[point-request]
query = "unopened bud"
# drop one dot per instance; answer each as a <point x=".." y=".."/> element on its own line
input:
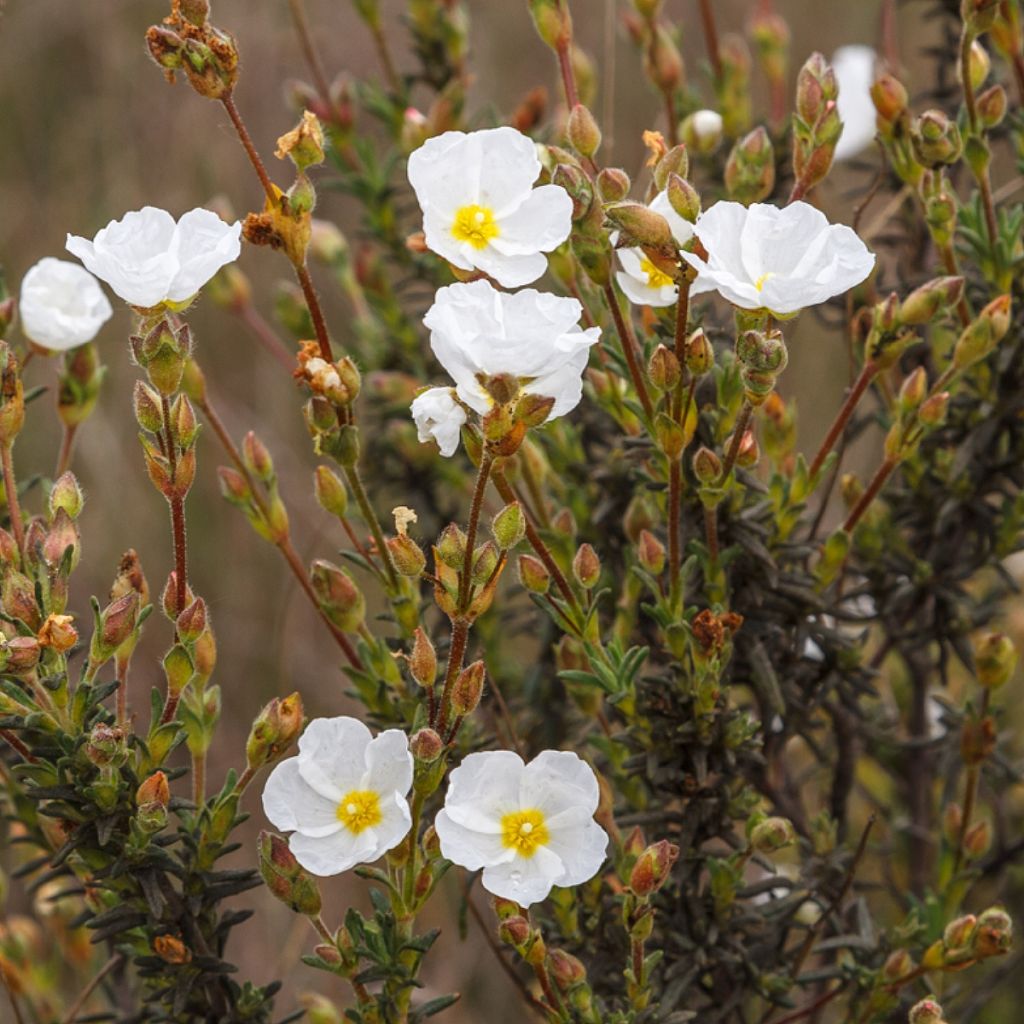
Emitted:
<point x="509" y="526"/>
<point x="936" y="139"/>
<point x="890" y="99"/>
<point x="407" y="555"/>
<point x="583" y="132"/>
<point x="533" y="574"/>
<point x="701" y="131"/>
<point x="285" y="877"/>
<point x="426" y="745"/>
<point x="663" y="369"/>
<point x="586" y="566"/>
<point x="977" y="840"/>
<point x="750" y="169"/>
<point x="992" y="104"/>
<point x="925" y="303"/>
<point x="994" y="933"/>
<point x="650" y="552"/>
<point x="451" y="546"/>
<point x="257" y="458"/>
<point x="468" y="689"/>
<point x="772" y="834"/>
<point x="815" y="87"/>
<point x="995" y="658"/>
<point x="565" y="970"/>
<point x="514" y="931"/>
<point x="66" y="495"/>
<point x="340" y="598"/>
<point x="683" y="198"/>
<point x="926" y="1012"/>
<point x="653" y="868"/>
<point x="330" y="490"/>
<point x="423" y="659"/>
<point x="613" y="184"/>
<point x="982" y="335"/>
<point x="707" y="467"/>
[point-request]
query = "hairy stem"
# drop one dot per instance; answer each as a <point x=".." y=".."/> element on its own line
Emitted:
<point x="867" y="375"/>
<point x="11" y="492"/>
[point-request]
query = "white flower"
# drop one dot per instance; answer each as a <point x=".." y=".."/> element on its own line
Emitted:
<point x="478" y="332"/>
<point x="343" y="796"/>
<point x="149" y="259"/>
<point x="440" y="417"/>
<point x="702" y="130"/>
<point x="528" y="826"/>
<point x="641" y="281"/>
<point x="480" y="209"/>
<point x="62" y="305"/>
<point x="782" y="260"/>
<point x="854" y="68"/>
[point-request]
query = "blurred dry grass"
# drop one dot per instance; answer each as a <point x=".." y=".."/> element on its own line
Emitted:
<point x="89" y="130"/>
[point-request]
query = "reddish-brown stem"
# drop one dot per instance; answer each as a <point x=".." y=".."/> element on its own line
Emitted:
<point x="675" y="488"/>
<point x="16" y="744"/>
<point x="707" y="20"/>
<point x="67" y="445"/>
<point x="711" y="531"/>
<point x="243" y="135"/>
<point x="177" y="503"/>
<point x="877" y="483"/>
<point x="568" y="75"/>
<point x="11" y="492"/>
<point x="315" y="312"/>
<point x="73" y="1010"/>
<point x="970" y="795"/>
<point x="630" y="349"/>
<point x="476" y="505"/>
<point x="316" y="69"/>
<point x="456" y="654"/>
<point x="953" y="269"/>
<point x="266" y="335"/>
<point x="811" y="1008"/>
<point x="867" y="375"/>
<point x="739" y="430"/>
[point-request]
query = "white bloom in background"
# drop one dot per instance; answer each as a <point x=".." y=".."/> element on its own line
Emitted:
<point x="782" y="260"/>
<point x="440" y="417"/>
<point x="149" y="259"/>
<point x="702" y="130"/>
<point x="529" y="826"/>
<point x="854" y="68"/>
<point x="62" y="305"/>
<point x="478" y="332"/>
<point x="343" y="796"/>
<point x="641" y="281"/>
<point x="480" y="209"/>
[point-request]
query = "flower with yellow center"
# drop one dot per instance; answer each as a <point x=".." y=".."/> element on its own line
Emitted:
<point x="343" y="796"/>
<point x="645" y="284"/>
<point x="780" y="260"/>
<point x="480" y="209"/>
<point x="528" y="826"/>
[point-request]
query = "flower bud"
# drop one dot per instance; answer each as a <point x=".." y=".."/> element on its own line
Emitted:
<point x="772" y="834"/>
<point x="653" y="868"/>
<point x="815" y="88"/>
<point x="468" y="689"/>
<point x="926" y="1012"/>
<point x="913" y="391"/>
<point x="514" y="931"/>
<point x="982" y="335"/>
<point x="67" y="496"/>
<point x="340" y="598"/>
<point x="701" y="131"/>
<point x="642" y="225"/>
<point x="274" y="730"/>
<point x="426" y="746"/>
<point x="707" y="467"/>
<point x="116" y="624"/>
<point x="995" y="658"/>
<point x="19" y="599"/>
<point x="663" y="369"/>
<point x="979" y="65"/>
<point x="319" y="1009"/>
<point x="992" y="104"/>
<point x="663" y="62"/>
<point x="994" y="933"/>
<point x="12" y="396"/>
<point x="977" y="840"/>
<point x="583" y="132"/>
<point x="533" y="574"/>
<point x="890" y="99"/>
<point x="750" y="169"/>
<point x="509" y="526"/>
<point x="650" y="553"/>
<point x="21" y="654"/>
<point x="959" y="933"/>
<point x="330" y="490"/>
<point x="672" y="161"/>
<point x="451" y="546"/>
<point x="683" y="198"/>
<point x="586" y="566"/>
<point x="191" y="623"/>
<point x="613" y="184"/>
<point x="565" y="970"/>
<point x="700" y="355"/>
<point x="977" y="740"/>
<point x="932" y="412"/>
<point x="423" y="659"/>
<point x="285" y="877"/>
<point x="152" y="799"/>
<point x="749" y="452"/>
<point x="897" y="965"/>
<point x="936" y="139"/>
<point x="256" y="458"/>
<point x="925" y="303"/>
<point x="107" y="746"/>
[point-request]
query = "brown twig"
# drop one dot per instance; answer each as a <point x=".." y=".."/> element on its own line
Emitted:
<point x="228" y="102"/>
<point x="11" y="493"/>
<point x="707" y="20"/>
<point x="67" y="444"/>
<point x="112" y="964"/>
<point x="867" y="375"/>
<point x="877" y="483"/>
<point x="630" y="349"/>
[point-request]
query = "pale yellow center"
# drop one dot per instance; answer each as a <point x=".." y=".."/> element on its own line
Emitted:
<point x="359" y="810"/>
<point x="524" y="832"/>
<point x="476" y="225"/>
<point x="760" y="282"/>
<point x="655" y="278"/>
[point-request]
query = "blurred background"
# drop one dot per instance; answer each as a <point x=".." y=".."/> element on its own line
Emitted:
<point x="89" y="130"/>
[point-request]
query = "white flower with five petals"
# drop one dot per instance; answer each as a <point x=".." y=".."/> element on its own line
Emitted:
<point x="148" y="259"/>
<point x="343" y="796"/>
<point x="439" y="416"/>
<point x="854" y="68"/>
<point x="781" y="260"/>
<point x="62" y="305"/>
<point x="529" y="826"/>
<point x="643" y="283"/>
<point x="477" y="332"/>
<point x="480" y="209"/>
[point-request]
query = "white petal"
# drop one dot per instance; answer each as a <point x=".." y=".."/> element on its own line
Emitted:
<point x="508" y="168"/>
<point x="204" y="243"/>
<point x="291" y="804"/>
<point x="640" y="293"/>
<point x="61" y="304"/>
<point x="510" y="271"/>
<point x="396" y="820"/>
<point x="332" y="755"/>
<point x="439" y="416"/>
<point x="483" y="789"/>
<point x="564" y="384"/>
<point x="581" y="849"/>
<point x="437" y="231"/>
<point x="330" y="855"/>
<point x="542" y="222"/>
<point x="389" y="763"/>
<point x="444" y="173"/>
<point x="854" y="68"/>
<point x="559" y="779"/>
<point x="682" y="230"/>
<point x="526" y="880"/>
<point x="468" y="848"/>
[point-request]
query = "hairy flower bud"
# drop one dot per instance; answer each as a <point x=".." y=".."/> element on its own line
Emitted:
<point x="927" y="1011"/>
<point x="925" y="303"/>
<point x="330" y="490"/>
<point x="423" y="659"/>
<point x="772" y="834"/>
<point x="468" y="689"/>
<point x="583" y="132"/>
<point x="66" y="496"/>
<point x="994" y="933"/>
<point x="285" y="877"/>
<point x="702" y="130"/>
<point x="613" y="184"/>
<point x="653" y="868"/>
<point x="707" y="467"/>
<point x="274" y="730"/>
<point x="340" y="598"/>
<point x="586" y="566"/>
<point x="407" y="555"/>
<point x="936" y="139"/>
<point x="650" y="552"/>
<point x="509" y="526"/>
<point x="426" y="745"/>
<point x="533" y="574"/>
<point x="750" y="169"/>
<point x="982" y="335"/>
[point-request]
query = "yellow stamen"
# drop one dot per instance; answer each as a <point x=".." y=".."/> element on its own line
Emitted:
<point x="476" y="225"/>
<point x="360" y="810"/>
<point x="655" y="278"/>
<point x="760" y="282"/>
<point x="524" y="832"/>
